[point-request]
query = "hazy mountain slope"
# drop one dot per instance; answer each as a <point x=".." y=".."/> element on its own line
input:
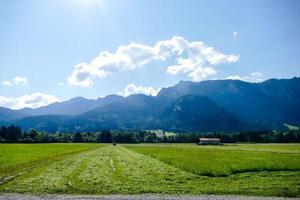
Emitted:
<point x="237" y="104"/>
<point x="283" y="100"/>
<point x="187" y="113"/>
<point x="73" y="106"/>
<point x="49" y="123"/>
<point x="133" y="112"/>
<point x="194" y="112"/>
<point x="266" y="104"/>
<point x="7" y="114"/>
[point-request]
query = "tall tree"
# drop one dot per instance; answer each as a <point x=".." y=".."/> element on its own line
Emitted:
<point x="105" y="136"/>
<point x="77" y="137"/>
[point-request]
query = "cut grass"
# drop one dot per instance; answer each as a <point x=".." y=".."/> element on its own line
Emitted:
<point x="17" y="158"/>
<point x="223" y="160"/>
<point x="118" y="170"/>
<point x="277" y="148"/>
<point x="267" y="147"/>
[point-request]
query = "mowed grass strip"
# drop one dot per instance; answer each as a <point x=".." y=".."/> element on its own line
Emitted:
<point x="222" y="160"/>
<point x="118" y="170"/>
<point x="265" y="147"/>
<point x="17" y="158"/>
<point x="277" y="148"/>
<point x="108" y="170"/>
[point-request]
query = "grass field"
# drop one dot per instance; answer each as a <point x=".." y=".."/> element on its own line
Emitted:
<point x="223" y="160"/>
<point x="17" y="158"/>
<point x="266" y="170"/>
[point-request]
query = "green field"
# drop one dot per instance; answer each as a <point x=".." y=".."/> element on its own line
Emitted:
<point x="247" y="169"/>
<point x="18" y="158"/>
<point x="225" y="160"/>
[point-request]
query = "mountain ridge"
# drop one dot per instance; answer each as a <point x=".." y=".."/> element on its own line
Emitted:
<point x="265" y="105"/>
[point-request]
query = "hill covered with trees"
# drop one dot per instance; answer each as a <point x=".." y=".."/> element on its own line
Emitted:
<point x="14" y="134"/>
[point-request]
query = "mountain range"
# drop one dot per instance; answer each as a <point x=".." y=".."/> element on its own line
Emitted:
<point x="213" y="105"/>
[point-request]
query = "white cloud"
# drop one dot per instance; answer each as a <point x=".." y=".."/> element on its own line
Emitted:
<point x="134" y="89"/>
<point x="7" y="83"/>
<point x="252" y="77"/>
<point x="61" y="83"/>
<point x="234" y="77"/>
<point x="201" y="73"/>
<point x="235" y="34"/>
<point x="18" y="80"/>
<point x="189" y="58"/>
<point x="34" y="100"/>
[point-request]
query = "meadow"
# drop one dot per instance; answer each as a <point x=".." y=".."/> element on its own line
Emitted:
<point x="18" y="158"/>
<point x="225" y="160"/>
<point x="247" y="169"/>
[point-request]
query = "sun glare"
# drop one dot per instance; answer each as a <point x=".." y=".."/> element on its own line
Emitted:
<point x="85" y="4"/>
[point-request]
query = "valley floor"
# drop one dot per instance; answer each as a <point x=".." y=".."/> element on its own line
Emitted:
<point x="130" y="170"/>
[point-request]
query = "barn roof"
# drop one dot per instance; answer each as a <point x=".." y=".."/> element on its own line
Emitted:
<point x="209" y="139"/>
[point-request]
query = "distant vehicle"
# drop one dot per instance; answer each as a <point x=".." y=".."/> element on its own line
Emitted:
<point x="206" y="141"/>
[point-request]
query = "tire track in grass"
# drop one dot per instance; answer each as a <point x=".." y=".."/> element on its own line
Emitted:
<point x="98" y="174"/>
<point x="74" y="181"/>
<point x="112" y="164"/>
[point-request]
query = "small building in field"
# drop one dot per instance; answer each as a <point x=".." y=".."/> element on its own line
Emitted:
<point x="209" y="141"/>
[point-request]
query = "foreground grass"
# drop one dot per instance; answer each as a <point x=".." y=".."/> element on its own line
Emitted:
<point x="17" y="158"/>
<point x="118" y="170"/>
<point x="225" y="160"/>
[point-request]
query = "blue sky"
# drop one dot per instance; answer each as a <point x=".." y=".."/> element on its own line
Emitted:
<point x="164" y="42"/>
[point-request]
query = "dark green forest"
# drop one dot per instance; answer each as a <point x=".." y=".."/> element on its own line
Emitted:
<point x="14" y="134"/>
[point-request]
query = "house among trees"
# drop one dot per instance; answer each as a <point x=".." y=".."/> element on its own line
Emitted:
<point x="209" y="141"/>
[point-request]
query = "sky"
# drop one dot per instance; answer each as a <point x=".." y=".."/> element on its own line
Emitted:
<point x="54" y="50"/>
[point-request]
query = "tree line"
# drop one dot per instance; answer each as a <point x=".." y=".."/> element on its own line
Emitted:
<point x="14" y="134"/>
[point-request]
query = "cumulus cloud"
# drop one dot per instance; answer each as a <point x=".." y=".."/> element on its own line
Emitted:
<point x="7" y="83"/>
<point x="252" y="77"/>
<point x="235" y="34"/>
<point x="192" y="58"/>
<point x="134" y="89"/>
<point x="34" y="100"/>
<point x="18" y="80"/>
<point x="201" y="73"/>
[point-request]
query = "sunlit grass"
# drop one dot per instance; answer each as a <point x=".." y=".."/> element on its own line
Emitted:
<point x="225" y="160"/>
<point x="119" y="170"/>
<point x="16" y="158"/>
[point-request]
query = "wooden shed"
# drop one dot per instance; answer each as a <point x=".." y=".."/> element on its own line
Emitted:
<point x="209" y="141"/>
